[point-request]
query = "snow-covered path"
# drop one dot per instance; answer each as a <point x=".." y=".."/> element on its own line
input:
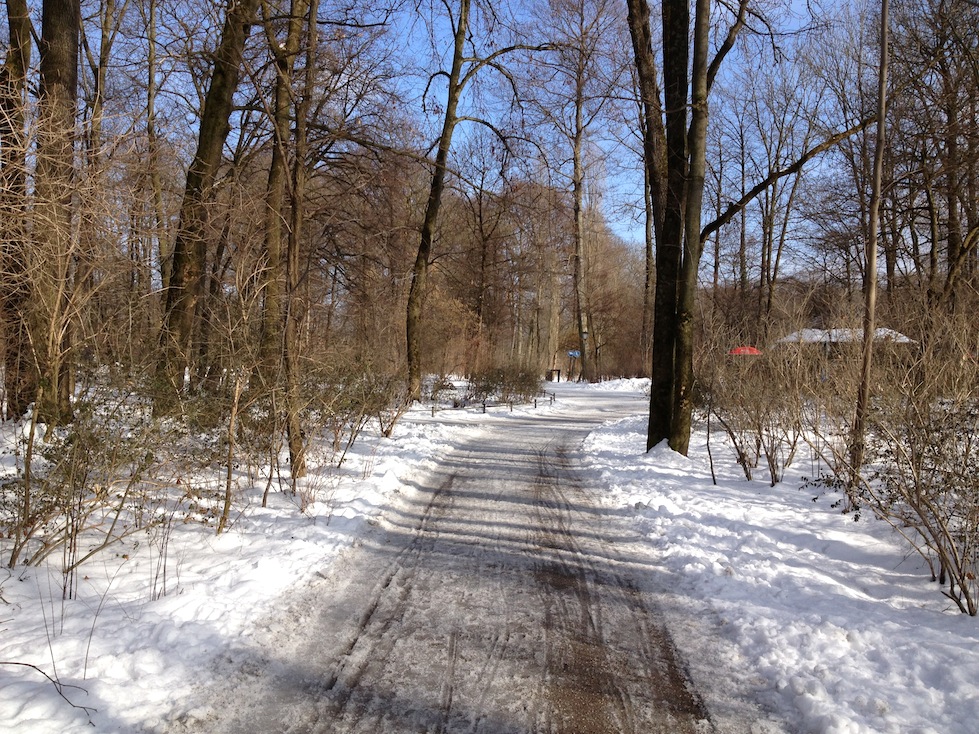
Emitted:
<point x="493" y="597"/>
<point x="349" y="615"/>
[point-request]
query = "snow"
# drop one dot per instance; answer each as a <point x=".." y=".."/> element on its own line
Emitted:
<point x="773" y="596"/>
<point x="839" y="336"/>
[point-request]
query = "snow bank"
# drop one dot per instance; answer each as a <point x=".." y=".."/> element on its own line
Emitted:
<point x="828" y="622"/>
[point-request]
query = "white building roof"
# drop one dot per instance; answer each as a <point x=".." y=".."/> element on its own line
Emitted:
<point x="839" y="336"/>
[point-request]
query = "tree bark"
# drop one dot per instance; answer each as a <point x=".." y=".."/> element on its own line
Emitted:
<point x="692" y="243"/>
<point x="580" y="262"/>
<point x="419" y="273"/>
<point x="679" y="242"/>
<point x="857" y="436"/>
<point x="669" y="248"/>
<point x="190" y="245"/>
<point x="153" y="143"/>
<point x="654" y="174"/>
<point x="277" y="218"/>
<point x="53" y="210"/>
<point x="20" y="376"/>
<point x="701" y="78"/>
<point x="293" y="315"/>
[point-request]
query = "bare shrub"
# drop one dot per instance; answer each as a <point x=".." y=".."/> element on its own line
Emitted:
<point x="343" y="398"/>
<point x="926" y="484"/>
<point x="922" y="474"/>
<point x="508" y="384"/>
<point x="440" y="389"/>
<point x="80" y="488"/>
<point x="755" y="398"/>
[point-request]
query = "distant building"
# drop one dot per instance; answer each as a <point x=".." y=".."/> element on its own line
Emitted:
<point x="842" y="336"/>
<point x="835" y="342"/>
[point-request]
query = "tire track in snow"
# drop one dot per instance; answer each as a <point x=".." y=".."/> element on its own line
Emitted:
<point x="598" y="678"/>
<point x="491" y="601"/>
<point x="383" y="612"/>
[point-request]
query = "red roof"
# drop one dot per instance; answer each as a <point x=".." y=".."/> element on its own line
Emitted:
<point x="745" y="352"/>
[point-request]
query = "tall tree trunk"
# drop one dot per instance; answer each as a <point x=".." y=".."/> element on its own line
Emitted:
<point x="88" y="228"/>
<point x="153" y="144"/>
<point x="98" y="67"/>
<point x="669" y="248"/>
<point x="190" y="245"/>
<point x="649" y="278"/>
<point x="419" y="273"/>
<point x="678" y="252"/>
<point x="53" y="210"/>
<point x="554" y="316"/>
<point x="276" y="215"/>
<point x="743" y="274"/>
<point x="718" y="208"/>
<point x="654" y="176"/>
<point x="580" y="269"/>
<point x="857" y="436"/>
<point x="692" y="243"/>
<point x="20" y="376"/>
<point x="294" y="315"/>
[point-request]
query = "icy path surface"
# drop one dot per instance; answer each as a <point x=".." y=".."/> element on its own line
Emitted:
<point x="494" y="597"/>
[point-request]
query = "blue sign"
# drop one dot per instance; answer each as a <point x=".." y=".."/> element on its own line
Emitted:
<point x="574" y="353"/>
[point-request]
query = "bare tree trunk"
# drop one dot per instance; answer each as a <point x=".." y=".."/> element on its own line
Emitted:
<point x="294" y="432"/>
<point x="53" y="210"/>
<point x="230" y="455"/>
<point x="743" y="275"/>
<point x="649" y="279"/>
<point x="678" y="251"/>
<point x="692" y="243"/>
<point x="665" y="158"/>
<point x="86" y="260"/>
<point x="580" y="270"/>
<point x="669" y="248"/>
<point x="654" y="141"/>
<point x="718" y="204"/>
<point x="189" y="251"/>
<point x="276" y="216"/>
<point x="278" y="346"/>
<point x="20" y="376"/>
<point x="858" y="437"/>
<point x="152" y="141"/>
<point x="419" y="273"/>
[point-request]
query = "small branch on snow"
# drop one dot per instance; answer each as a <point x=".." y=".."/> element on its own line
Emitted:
<point x="58" y="686"/>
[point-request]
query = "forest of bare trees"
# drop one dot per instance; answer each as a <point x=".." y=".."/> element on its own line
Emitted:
<point x="270" y="220"/>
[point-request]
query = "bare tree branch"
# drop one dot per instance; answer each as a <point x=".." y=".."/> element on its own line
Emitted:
<point x="58" y="685"/>
<point x="735" y="207"/>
